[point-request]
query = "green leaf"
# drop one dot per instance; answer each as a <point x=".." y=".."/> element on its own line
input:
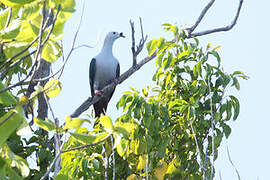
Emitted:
<point x="88" y="138"/>
<point x="125" y="128"/>
<point x="51" y="51"/>
<point x="236" y="107"/>
<point x="120" y="147"/>
<point x="227" y="130"/>
<point x="52" y="88"/>
<point x="73" y="123"/>
<point x="11" y="31"/>
<point x="6" y="97"/>
<point x="154" y="44"/>
<point x="3" y="17"/>
<point x="46" y="125"/>
<point x="236" y="83"/>
<point x="10" y="122"/>
<point x="31" y="11"/>
<point x="27" y="32"/>
<point x="145" y="93"/>
<point x="61" y="177"/>
<point x="214" y="53"/>
<point x="106" y="122"/>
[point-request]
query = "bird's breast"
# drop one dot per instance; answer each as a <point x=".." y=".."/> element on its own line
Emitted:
<point x="105" y="73"/>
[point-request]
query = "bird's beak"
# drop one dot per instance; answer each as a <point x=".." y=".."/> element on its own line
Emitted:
<point x="122" y="35"/>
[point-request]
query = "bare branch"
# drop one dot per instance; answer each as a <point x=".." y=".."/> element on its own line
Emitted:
<point x="133" y="42"/>
<point x="204" y="11"/>
<point x="136" y="52"/>
<point x="225" y="28"/>
<point x="91" y="100"/>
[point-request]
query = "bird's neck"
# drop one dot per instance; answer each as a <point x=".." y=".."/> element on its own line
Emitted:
<point x="107" y="46"/>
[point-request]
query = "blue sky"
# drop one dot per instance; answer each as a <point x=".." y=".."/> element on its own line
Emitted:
<point x="245" y="48"/>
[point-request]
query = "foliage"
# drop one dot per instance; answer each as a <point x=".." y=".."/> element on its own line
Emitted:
<point x="164" y="130"/>
<point x="21" y="22"/>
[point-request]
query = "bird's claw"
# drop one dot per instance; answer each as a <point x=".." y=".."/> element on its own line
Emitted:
<point x="115" y="79"/>
<point x="98" y="92"/>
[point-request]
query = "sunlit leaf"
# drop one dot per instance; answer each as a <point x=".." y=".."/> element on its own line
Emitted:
<point x="45" y="124"/>
<point x="11" y="31"/>
<point x="106" y="122"/>
<point x="73" y="123"/>
<point x="10" y="122"/>
<point x="88" y="138"/>
<point x="51" y="51"/>
<point x="52" y="88"/>
<point x="142" y="162"/>
<point x="6" y="97"/>
<point x="125" y="128"/>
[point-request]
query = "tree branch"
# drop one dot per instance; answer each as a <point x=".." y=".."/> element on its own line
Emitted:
<point x="204" y="11"/>
<point x="136" y="52"/>
<point x="225" y="28"/>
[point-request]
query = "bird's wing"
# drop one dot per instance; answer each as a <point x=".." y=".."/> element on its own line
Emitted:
<point x="92" y="70"/>
<point x="118" y="71"/>
<point x="116" y="76"/>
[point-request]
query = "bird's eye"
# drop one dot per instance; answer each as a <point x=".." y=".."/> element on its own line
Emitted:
<point x="114" y="32"/>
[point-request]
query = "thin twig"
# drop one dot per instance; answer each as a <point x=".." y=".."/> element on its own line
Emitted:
<point x="74" y="40"/>
<point x="238" y="175"/>
<point x="83" y="45"/>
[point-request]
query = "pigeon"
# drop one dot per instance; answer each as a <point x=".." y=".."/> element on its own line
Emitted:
<point x="104" y="69"/>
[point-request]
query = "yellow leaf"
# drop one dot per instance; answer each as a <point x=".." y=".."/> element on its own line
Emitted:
<point x="106" y="122"/>
<point x="217" y="48"/>
<point x="142" y="162"/>
<point x="52" y="88"/>
<point x="132" y="177"/>
<point x="160" y="172"/>
<point x="172" y="167"/>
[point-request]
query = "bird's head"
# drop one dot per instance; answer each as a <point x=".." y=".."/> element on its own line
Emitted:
<point x="114" y="35"/>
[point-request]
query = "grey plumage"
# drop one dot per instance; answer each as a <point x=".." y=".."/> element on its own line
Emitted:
<point x="104" y="68"/>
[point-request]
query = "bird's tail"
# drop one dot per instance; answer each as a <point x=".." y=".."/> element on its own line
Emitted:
<point x="100" y="107"/>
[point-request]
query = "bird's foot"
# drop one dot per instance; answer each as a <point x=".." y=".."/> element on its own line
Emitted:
<point x="115" y="79"/>
<point x="98" y="92"/>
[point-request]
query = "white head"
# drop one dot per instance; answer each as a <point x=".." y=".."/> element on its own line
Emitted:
<point x="112" y="36"/>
